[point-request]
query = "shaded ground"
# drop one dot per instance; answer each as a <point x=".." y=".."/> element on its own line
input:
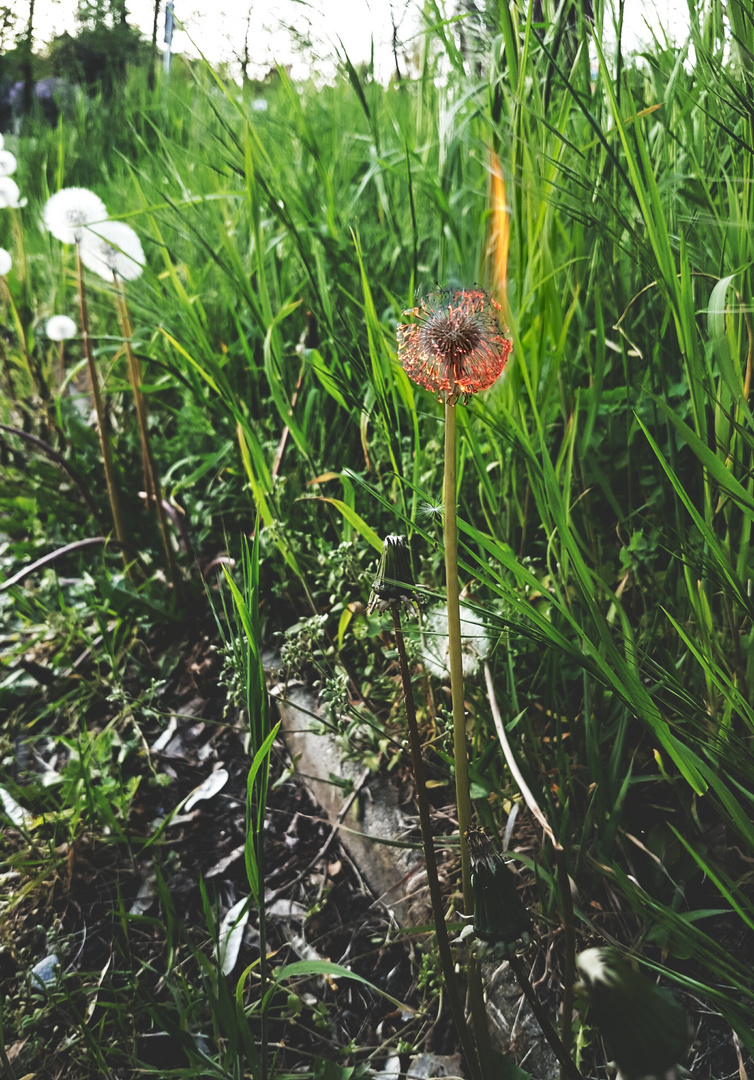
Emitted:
<point x="131" y="912"/>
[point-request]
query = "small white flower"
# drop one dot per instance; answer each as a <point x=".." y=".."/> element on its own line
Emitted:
<point x="435" y="643"/>
<point x="69" y="210"/>
<point x="9" y="194"/>
<point x="8" y="163"/>
<point x="113" y="248"/>
<point x="60" y="328"/>
<point x="5" y="262"/>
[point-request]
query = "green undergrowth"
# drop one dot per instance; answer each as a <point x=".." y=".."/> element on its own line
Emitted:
<point x="605" y="489"/>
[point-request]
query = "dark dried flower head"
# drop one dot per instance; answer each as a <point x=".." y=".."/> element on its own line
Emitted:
<point x="455" y="346"/>
<point x="499" y="914"/>
<point x="394" y="581"/>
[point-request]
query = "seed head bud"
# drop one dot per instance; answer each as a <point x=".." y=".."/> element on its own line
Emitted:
<point x="499" y="914"/>
<point x="394" y="582"/>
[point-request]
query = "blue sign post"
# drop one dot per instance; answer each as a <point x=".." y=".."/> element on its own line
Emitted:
<point x="169" y="23"/>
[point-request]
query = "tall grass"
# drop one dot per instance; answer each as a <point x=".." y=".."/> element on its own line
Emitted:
<point x="605" y="489"/>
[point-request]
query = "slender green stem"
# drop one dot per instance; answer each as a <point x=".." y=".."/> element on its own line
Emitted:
<point x="460" y="758"/>
<point x="430" y="861"/>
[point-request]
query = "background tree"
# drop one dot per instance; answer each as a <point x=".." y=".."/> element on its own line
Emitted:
<point x="100" y="52"/>
<point x="155" y="22"/>
<point x="28" y="70"/>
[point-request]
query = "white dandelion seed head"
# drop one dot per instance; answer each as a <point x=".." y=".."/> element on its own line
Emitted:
<point x="8" y="163"/>
<point x="435" y="643"/>
<point x="60" y="328"/>
<point x="113" y="248"/>
<point x="69" y="210"/>
<point x="9" y="194"/>
<point x="5" y="262"/>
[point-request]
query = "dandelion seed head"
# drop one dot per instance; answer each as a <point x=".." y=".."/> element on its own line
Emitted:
<point x="6" y="262"/>
<point x="455" y="346"/>
<point x="70" y="210"/>
<point x="9" y="194"/>
<point x="8" y="163"/>
<point x="430" y="510"/>
<point x="60" y="328"/>
<point x="435" y="641"/>
<point x="113" y="248"/>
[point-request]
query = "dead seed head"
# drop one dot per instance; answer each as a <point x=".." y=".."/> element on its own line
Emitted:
<point x="455" y="346"/>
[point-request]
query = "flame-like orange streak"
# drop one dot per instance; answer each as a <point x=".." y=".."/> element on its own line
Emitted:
<point x="499" y="235"/>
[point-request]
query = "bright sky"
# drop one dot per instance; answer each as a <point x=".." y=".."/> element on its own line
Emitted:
<point x="218" y="27"/>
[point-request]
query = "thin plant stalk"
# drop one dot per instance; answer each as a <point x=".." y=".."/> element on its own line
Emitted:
<point x="564" y="1044"/>
<point x="8" y="1069"/>
<point x="460" y="758"/>
<point x="61" y="363"/>
<point x="286" y="430"/>
<point x="151" y="483"/>
<point x="102" y="424"/>
<point x="430" y="861"/>
<point x="9" y="389"/>
<point x="14" y="317"/>
<point x="568" y="1068"/>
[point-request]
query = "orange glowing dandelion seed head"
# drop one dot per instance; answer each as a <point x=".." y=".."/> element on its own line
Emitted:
<point x="455" y="346"/>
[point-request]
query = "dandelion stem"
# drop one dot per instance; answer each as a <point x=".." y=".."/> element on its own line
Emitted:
<point x="103" y="428"/>
<point x="460" y="758"/>
<point x="430" y="861"/>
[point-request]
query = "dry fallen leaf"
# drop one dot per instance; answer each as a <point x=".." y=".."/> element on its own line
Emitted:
<point x="215" y="782"/>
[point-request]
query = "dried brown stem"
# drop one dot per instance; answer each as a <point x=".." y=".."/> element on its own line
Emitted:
<point x="103" y="427"/>
<point x="151" y="483"/>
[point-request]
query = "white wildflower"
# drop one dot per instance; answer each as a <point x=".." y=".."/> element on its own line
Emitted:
<point x="9" y="194"/>
<point x="435" y="643"/>
<point x="5" y="262"/>
<point x="69" y="210"/>
<point x="8" y="163"/>
<point x="60" y="328"/>
<point x="113" y="248"/>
